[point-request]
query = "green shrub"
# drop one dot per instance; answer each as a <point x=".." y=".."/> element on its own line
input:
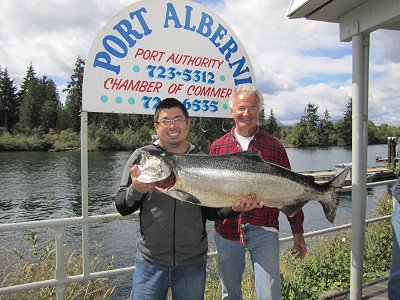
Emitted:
<point x="66" y="139"/>
<point x="379" y="242"/>
<point x="326" y="266"/>
<point x="18" y="142"/>
<point x="126" y="139"/>
<point x="7" y="142"/>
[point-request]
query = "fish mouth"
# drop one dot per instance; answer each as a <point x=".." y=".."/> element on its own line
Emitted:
<point x="167" y="182"/>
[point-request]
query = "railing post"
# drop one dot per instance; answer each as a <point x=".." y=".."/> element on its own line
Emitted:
<point x="60" y="262"/>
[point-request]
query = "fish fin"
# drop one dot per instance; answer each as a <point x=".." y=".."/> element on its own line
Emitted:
<point x="331" y="203"/>
<point x="310" y="177"/>
<point x="290" y="210"/>
<point x="253" y="155"/>
<point x="184" y="196"/>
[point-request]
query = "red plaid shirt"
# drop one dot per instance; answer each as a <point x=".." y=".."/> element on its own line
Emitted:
<point x="273" y="151"/>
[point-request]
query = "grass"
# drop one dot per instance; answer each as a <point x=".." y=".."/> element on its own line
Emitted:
<point x="326" y="267"/>
<point x="39" y="264"/>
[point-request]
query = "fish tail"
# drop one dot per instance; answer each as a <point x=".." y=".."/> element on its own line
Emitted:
<point x="331" y="202"/>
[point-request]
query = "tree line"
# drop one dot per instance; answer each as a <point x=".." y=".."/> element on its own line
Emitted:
<point x="32" y="117"/>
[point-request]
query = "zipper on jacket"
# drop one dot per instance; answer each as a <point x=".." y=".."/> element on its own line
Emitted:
<point x="173" y="236"/>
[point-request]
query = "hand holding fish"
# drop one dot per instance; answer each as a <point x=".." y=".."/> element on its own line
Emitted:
<point x="247" y="203"/>
<point x="139" y="186"/>
<point x="299" y="249"/>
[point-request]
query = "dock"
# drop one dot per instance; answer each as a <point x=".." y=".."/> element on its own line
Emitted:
<point x="374" y="174"/>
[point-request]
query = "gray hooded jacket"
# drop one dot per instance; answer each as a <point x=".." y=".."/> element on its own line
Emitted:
<point x="172" y="232"/>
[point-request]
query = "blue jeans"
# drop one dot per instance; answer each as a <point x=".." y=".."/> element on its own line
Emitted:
<point x="394" y="278"/>
<point x="263" y="246"/>
<point x="151" y="281"/>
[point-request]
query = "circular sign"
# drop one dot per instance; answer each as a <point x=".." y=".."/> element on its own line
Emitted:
<point x="155" y="49"/>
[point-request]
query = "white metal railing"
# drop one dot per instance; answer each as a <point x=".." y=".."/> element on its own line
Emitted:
<point x="58" y="225"/>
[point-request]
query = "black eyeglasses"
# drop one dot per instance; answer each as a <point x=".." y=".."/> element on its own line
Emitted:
<point x="166" y="123"/>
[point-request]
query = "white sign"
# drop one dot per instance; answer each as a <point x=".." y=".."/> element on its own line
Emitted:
<point x="155" y="49"/>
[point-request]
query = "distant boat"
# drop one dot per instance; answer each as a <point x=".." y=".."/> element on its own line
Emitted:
<point x="379" y="158"/>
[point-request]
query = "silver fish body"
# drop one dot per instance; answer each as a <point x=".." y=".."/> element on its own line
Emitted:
<point x="220" y="181"/>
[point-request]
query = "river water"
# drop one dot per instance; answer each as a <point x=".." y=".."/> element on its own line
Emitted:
<point x="46" y="185"/>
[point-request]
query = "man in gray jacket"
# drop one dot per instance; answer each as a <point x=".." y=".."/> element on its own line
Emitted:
<point x="172" y="247"/>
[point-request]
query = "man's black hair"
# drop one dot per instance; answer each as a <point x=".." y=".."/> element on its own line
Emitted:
<point x="170" y="103"/>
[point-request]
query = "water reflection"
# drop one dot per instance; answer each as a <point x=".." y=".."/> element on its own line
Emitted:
<point x="317" y="158"/>
<point x="41" y="185"/>
<point x="5" y="205"/>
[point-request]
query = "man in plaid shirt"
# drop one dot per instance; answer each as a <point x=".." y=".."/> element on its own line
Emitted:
<point x="255" y="230"/>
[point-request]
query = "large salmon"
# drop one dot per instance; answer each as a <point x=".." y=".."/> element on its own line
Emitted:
<point x="220" y="180"/>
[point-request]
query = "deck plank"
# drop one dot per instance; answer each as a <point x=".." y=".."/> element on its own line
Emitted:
<point x="374" y="289"/>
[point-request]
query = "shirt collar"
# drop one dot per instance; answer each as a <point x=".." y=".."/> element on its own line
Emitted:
<point x="232" y="132"/>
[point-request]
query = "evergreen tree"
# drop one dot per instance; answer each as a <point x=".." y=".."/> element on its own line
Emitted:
<point x="51" y="107"/>
<point x="26" y="100"/>
<point x="262" y="121"/>
<point x="305" y="133"/>
<point x="8" y="101"/>
<point x="29" y="77"/>
<point x="30" y="109"/>
<point x="343" y="128"/>
<point x="272" y="125"/>
<point x="311" y="120"/>
<point x="73" y="102"/>
<point x="106" y="120"/>
<point x="326" y="130"/>
<point x="299" y="133"/>
<point x="373" y="135"/>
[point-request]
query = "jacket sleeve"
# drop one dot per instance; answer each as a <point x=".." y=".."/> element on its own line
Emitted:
<point x="128" y="200"/>
<point x="213" y="214"/>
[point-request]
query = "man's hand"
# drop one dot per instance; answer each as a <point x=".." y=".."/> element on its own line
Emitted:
<point x="299" y="249"/>
<point x="247" y="203"/>
<point x="140" y="186"/>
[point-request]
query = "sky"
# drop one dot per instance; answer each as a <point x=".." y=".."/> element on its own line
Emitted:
<point x="296" y="61"/>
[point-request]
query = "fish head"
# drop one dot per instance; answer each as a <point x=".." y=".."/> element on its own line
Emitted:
<point x="155" y="168"/>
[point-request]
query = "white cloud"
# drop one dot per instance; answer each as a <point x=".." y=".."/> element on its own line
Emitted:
<point x="300" y="61"/>
<point x="51" y="34"/>
<point x="322" y="95"/>
<point x="296" y="61"/>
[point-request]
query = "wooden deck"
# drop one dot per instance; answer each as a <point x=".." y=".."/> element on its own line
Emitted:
<point x="380" y="174"/>
<point x="375" y="289"/>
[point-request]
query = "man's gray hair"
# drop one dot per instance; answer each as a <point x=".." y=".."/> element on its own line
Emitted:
<point x="246" y="89"/>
